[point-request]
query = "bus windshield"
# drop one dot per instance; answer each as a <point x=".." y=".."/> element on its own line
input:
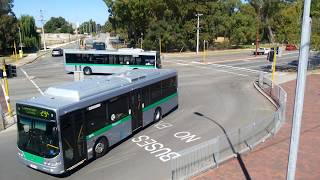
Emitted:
<point x="39" y="137"/>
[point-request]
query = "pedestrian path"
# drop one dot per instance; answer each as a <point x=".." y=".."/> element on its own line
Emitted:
<point x="269" y="160"/>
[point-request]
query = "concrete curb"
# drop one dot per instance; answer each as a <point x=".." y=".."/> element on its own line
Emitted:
<point x="42" y="53"/>
<point x="265" y="94"/>
<point x="213" y="52"/>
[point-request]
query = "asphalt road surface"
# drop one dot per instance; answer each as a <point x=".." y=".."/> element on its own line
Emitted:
<point x="222" y="93"/>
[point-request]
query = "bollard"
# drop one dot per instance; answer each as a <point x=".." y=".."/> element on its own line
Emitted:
<point x="78" y="76"/>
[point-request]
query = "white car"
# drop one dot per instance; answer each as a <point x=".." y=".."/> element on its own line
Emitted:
<point x="261" y="51"/>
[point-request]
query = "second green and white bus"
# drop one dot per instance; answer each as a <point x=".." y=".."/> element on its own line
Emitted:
<point x="110" y="61"/>
<point x="79" y="121"/>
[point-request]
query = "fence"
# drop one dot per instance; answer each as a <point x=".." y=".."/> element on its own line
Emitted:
<point x="230" y="144"/>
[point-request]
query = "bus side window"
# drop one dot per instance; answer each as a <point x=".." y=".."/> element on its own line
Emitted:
<point x="96" y="117"/>
<point x="127" y="60"/>
<point x="149" y="60"/>
<point x="118" y="108"/>
<point x="169" y="86"/>
<point x="143" y="62"/>
<point x="85" y="58"/>
<point x="71" y="58"/>
<point x="155" y="91"/>
<point x="146" y="96"/>
<point x="137" y="61"/>
<point x="111" y="59"/>
<point x="105" y="59"/>
<point x="116" y="59"/>
<point x="121" y="59"/>
<point x="76" y="58"/>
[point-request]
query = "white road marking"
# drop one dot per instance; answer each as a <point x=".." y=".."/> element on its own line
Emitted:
<point x="204" y="67"/>
<point x="278" y="63"/>
<point x="238" y="68"/>
<point x="238" y="74"/>
<point x="152" y="146"/>
<point x="30" y="79"/>
<point x="183" y="64"/>
<point x="187" y="136"/>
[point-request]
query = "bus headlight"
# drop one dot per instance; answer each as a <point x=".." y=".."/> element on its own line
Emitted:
<point x="20" y="154"/>
<point x="52" y="163"/>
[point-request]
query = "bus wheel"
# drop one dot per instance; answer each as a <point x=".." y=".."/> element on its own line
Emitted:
<point x="157" y="115"/>
<point x="87" y="71"/>
<point x="101" y="147"/>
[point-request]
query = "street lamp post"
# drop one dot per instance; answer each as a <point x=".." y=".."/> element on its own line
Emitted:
<point x="20" y="38"/>
<point x="44" y="38"/>
<point x="198" y="15"/>
<point x="300" y="89"/>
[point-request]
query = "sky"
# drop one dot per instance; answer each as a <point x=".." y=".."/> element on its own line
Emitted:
<point x="72" y="10"/>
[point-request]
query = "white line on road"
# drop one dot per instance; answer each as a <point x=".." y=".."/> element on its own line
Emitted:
<point x="206" y="67"/>
<point x="183" y="64"/>
<point x="235" y="68"/>
<point x="281" y="63"/>
<point x="238" y="74"/>
<point x="28" y="77"/>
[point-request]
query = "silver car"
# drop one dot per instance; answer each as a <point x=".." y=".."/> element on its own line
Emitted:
<point x="57" y="52"/>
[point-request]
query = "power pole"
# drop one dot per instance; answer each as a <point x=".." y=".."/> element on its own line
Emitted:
<point x="198" y="15"/>
<point x="42" y="21"/>
<point x="20" y="39"/>
<point x="300" y="88"/>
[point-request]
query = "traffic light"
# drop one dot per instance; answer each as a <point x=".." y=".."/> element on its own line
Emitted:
<point x="270" y="55"/>
<point x="8" y="70"/>
<point x="14" y="71"/>
<point x="11" y="70"/>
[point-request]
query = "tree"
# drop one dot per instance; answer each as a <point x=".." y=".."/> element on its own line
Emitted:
<point x="287" y="23"/>
<point x="29" y="35"/>
<point x="6" y="7"/>
<point x="315" y="14"/>
<point x="174" y="21"/>
<point x="8" y="31"/>
<point x="58" y="25"/>
<point x="88" y="27"/>
<point x="243" y="25"/>
<point x="8" y="25"/>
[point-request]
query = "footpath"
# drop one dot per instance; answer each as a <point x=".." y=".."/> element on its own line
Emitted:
<point x="269" y="160"/>
<point x="9" y="121"/>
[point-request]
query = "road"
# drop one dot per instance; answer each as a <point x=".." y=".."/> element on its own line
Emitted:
<point x="223" y="94"/>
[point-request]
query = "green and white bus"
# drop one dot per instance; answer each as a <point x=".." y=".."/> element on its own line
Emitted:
<point x="79" y="121"/>
<point x="110" y="61"/>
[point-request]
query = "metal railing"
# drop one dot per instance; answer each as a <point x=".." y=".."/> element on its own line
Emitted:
<point x="231" y="143"/>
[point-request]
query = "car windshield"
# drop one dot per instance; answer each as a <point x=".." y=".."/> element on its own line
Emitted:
<point x="39" y="137"/>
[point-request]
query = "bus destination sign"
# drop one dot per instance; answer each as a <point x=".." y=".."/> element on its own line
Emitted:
<point x="35" y="112"/>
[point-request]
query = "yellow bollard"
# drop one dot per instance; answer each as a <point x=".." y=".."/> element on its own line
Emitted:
<point x="15" y="50"/>
<point x="6" y="88"/>
<point x="274" y="65"/>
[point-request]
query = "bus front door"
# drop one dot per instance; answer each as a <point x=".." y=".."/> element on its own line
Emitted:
<point x="136" y="109"/>
<point x="73" y="141"/>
